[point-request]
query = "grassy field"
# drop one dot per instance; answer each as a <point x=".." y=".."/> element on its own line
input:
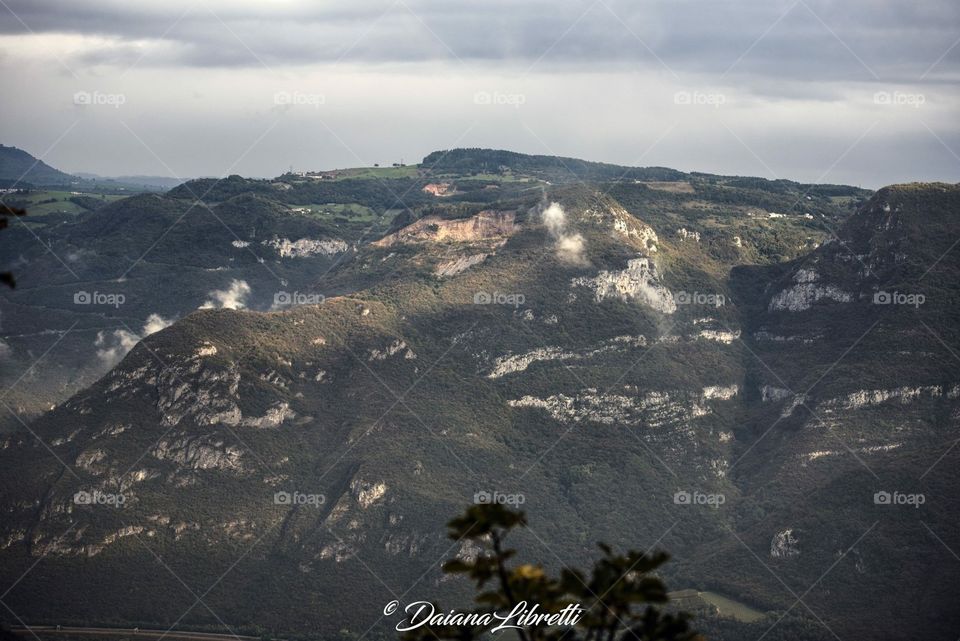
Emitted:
<point x="50" y="201"/>
<point x="731" y="608"/>
<point x="674" y="187"/>
<point x="412" y="171"/>
<point x="707" y="603"/>
<point x="842" y="200"/>
<point x="408" y="171"/>
<point x="505" y="177"/>
<point x="327" y="211"/>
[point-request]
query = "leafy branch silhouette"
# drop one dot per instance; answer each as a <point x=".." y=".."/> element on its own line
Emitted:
<point x="619" y="598"/>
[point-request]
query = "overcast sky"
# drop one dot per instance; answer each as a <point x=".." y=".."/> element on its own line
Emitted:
<point x="859" y="91"/>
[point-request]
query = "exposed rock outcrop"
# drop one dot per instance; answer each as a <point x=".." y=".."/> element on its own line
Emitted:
<point x="199" y="453"/>
<point x="638" y="282"/>
<point x="806" y="292"/>
<point x="457" y="265"/>
<point x="304" y="247"/>
<point x="785" y="544"/>
<point x="511" y="363"/>
<point x="487" y="225"/>
<point x="631" y="407"/>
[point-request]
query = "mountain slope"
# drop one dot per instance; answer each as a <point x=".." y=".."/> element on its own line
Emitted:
<point x="167" y="254"/>
<point x="303" y="390"/>
<point x="856" y="378"/>
<point x="576" y="358"/>
<point x="92" y="284"/>
<point x="18" y="166"/>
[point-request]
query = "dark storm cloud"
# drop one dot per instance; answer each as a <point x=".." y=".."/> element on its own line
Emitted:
<point x="810" y="40"/>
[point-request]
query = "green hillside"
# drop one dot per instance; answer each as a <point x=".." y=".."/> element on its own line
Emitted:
<point x="18" y="166"/>
<point x="652" y="362"/>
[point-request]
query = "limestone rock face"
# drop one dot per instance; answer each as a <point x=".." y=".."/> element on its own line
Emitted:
<point x="630" y="406"/>
<point x="802" y="296"/>
<point x="455" y="266"/>
<point x="638" y="282"/>
<point x="200" y="453"/>
<point x="785" y="544"/>
<point x="487" y="225"/>
<point x="303" y="247"/>
<point x="512" y="363"/>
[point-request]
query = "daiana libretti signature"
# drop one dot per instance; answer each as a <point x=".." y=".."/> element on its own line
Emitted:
<point x="523" y="615"/>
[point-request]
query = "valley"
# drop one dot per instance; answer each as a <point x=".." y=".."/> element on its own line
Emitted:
<point x="60" y="632"/>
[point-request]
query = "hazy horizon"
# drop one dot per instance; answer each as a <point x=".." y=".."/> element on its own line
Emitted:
<point x="863" y="93"/>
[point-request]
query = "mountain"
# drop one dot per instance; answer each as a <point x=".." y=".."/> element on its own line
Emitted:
<point x="91" y="284"/>
<point x="740" y="371"/>
<point x="18" y="166"/>
<point x="853" y="383"/>
<point x="166" y="253"/>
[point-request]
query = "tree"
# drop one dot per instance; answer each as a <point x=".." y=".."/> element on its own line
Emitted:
<point x="617" y="602"/>
<point x="7" y="212"/>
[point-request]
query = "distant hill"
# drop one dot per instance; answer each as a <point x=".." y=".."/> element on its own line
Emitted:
<point x="553" y="168"/>
<point x="558" y="169"/>
<point x="152" y="182"/>
<point x="16" y="165"/>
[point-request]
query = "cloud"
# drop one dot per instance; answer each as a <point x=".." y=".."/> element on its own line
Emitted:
<point x="787" y="38"/>
<point x="569" y="246"/>
<point x="570" y="249"/>
<point x="795" y="100"/>
<point x="555" y="219"/>
<point x="113" y="346"/>
<point x="154" y="324"/>
<point x="234" y="297"/>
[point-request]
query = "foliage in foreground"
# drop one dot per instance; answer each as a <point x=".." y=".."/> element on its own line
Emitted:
<point x="618" y="598"/>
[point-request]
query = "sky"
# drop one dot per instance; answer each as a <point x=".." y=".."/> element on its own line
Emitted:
<point x="861" y="92"/>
